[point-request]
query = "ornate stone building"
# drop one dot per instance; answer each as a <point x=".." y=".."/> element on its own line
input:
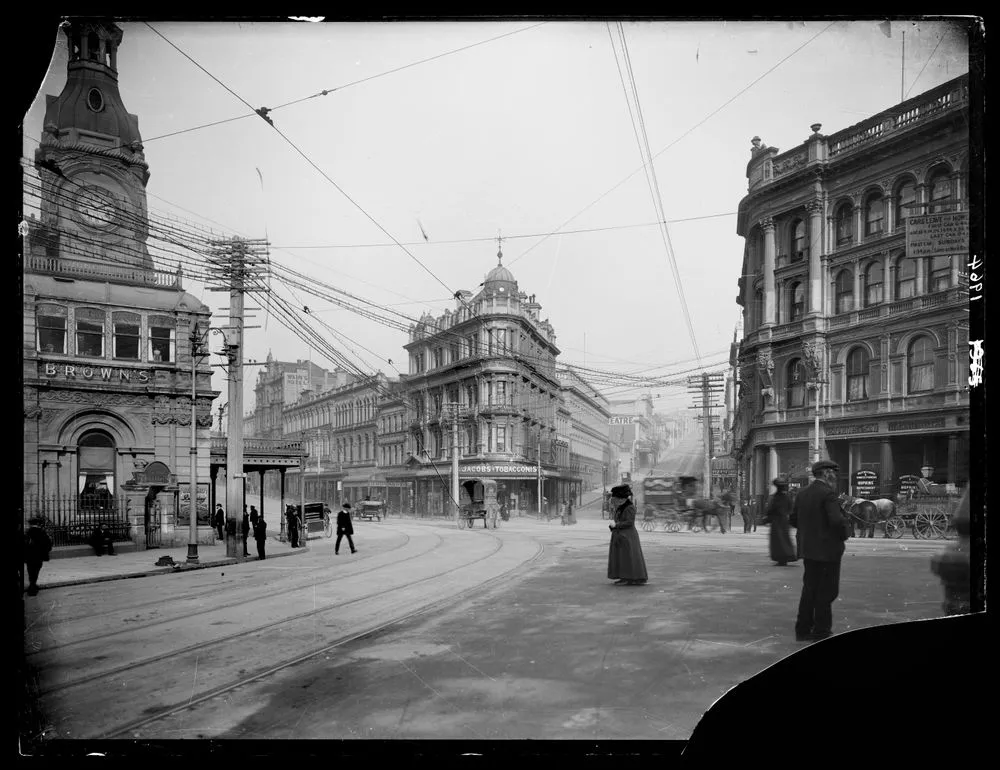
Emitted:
<point x="106" y="339"/>
<point x="490" y="365"/>
<point x="854" y="294"/>
<point x="590" y="455"/>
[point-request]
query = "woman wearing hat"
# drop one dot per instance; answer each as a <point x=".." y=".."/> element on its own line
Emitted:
<point x="779" y="508"/>
<point x="625" y="562"/>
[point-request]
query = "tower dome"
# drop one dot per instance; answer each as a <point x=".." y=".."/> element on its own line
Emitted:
<point x="500" y="280"/>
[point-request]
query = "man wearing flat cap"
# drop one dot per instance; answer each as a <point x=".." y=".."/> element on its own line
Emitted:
<point x="626" y="565"/>
<point x="822" y="530"/>
<point x="779" y="508"/>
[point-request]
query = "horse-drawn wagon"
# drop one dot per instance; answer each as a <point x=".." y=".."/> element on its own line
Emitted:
<point x="671" y="503"/>
<point x="927" y="510"/>
<point x="370" y="510"/>
<point x="478" y="500"/>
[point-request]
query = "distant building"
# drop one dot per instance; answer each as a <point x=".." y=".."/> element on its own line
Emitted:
<point x="280" y="384"/>
<point x="632" y="430"/>
<point x="850" y="289"/>
<point x="590" y="454"/>
<point x="106" y="342"/>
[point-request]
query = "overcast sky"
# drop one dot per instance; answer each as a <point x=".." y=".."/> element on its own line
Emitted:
<point x="518" y="134"/>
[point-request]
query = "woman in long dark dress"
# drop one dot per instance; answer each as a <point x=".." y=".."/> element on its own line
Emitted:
<point x="626" y="564"/>
<point x="779" y="508"/>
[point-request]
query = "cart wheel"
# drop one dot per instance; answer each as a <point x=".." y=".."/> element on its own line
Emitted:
<point x="931" y="524"/>
<point x="328" y="529"/>
<point x="894" y="527"/>
<point x="647" y="525"/>
<point x="461" y="522"/>
<point x="673" y="526"/>
<point x="711" y="525"/>
<point x="696" y="528"/>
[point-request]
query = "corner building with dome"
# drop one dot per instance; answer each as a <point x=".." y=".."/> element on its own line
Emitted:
<point x="488" y="366"/>
<point x="106" y="335"/>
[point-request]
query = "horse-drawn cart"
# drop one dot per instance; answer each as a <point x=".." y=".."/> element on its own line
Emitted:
<point x="478" y="500"/>
<point x="370" y="510"/>
<point x="927" y="517"/>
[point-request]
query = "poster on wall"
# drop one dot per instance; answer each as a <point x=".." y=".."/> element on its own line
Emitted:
<point x="866" y="484"/>
<point x="907" y="486"/>
<point x="184" y="506"/>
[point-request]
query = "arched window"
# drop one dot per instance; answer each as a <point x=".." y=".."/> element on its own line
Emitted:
<point x="758" y="307"/>
<point x="940" y="273"/>
<point x="844" y="292"/>
<point x="96" y="470"/>
<point x="90" y="332"/>
<point x="920" y="365"/>
<point x="795" y="384"/>
<point x="797" y="300"/>
<point x="906" y="278"/>
<point x="51" y="324"/>
<point x="798" y="240"/>
<point x="906" y="198"/>
<point x="874" y="214"/>
<point x="857" y="374"/>
<point x="874" y="276"/>
<point x="845" y="224"/>
<point x="940" y="188"/>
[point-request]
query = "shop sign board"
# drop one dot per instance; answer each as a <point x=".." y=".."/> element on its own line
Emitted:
<point x="907" y="485"/>
<point x="937" y="235"/>
<point x="866" y="484"/>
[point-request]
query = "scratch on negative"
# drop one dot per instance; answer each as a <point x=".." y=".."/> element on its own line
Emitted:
<point x="417" y="677"/>
<point x="750" y="644"/>
<point x="472" y="666"/>
<point x="195" y="680"/>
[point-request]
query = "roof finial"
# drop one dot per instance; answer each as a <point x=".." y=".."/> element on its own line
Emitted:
<point x="499" y="248"/>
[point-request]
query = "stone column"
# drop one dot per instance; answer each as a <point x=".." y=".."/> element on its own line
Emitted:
<point x="858" y="299"/>
<point x="952" y="458"/>
<point x="767" y="224"/>
<point x="890" y="280"/>
<point x="888" y="473"/>
<point x="858" y="225"/>
<point x="921" y="281"/>
<point x="772" y="466"/>
<point x="890" y="214"/>
<point x="955" y="259"/>
<point x="815" y="209"/>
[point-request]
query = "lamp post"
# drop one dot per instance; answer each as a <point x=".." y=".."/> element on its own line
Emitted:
<point x="196" y="352"/>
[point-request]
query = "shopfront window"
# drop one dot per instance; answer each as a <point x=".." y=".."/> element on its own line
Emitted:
<point x="96" y="464"/>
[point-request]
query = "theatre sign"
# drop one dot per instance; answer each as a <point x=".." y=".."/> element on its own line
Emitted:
<point x="937" y="235"/>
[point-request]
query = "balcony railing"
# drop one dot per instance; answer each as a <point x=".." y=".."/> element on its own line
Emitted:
<point x="951" y="295"/>
<point x="86" y="270"/>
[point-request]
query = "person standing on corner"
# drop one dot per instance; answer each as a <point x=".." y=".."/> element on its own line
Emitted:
<point x="822" y="530"/>
<point x="37" y="546"/>
<point x="293" y="526"/>
<point x="344" y="528"/>
<point x="779" y="508"/>
<point x="220" y="521"/>
<point x="253" y="517"/>
<point x="245" y="529"/>
<point x="260" y="535"/>
<point x="570" y="514"/>
<point x="626" y="564"/>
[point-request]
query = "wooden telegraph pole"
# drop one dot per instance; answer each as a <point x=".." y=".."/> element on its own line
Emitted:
<point x="706" y="388"/>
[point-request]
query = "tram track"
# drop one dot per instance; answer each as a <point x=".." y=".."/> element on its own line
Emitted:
<point x="215" y="608"/>
<point x="92" y="679"/>
<point x="198" y="593"/>
<point x="128" y="729"/>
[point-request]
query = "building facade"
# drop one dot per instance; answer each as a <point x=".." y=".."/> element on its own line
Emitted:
<point x="590" y="454"/>
<point x="484" y="376"/>
<point x="280" y="384"/>
<point x="107" y="338"/>
<point x="855" y="301"/>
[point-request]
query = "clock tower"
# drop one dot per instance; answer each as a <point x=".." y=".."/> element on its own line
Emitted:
<point x="90" y="158"/>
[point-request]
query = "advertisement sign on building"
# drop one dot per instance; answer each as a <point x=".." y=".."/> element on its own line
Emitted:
<point x="907" y="485"/>
<point x="937" y="235"/>
<point x="866" y="484"/>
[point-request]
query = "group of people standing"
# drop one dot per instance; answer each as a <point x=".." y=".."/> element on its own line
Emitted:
<point x="253" y="521"/>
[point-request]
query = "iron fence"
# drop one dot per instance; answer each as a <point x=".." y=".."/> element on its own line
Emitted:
<point x="72" y="519"/>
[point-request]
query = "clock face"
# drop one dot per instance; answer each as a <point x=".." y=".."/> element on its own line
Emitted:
<point x="97" y="207"/>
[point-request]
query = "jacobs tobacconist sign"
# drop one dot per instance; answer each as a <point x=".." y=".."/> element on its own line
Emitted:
<point x="106" y="373"/>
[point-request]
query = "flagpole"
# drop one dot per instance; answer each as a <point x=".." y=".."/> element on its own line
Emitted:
<point x="902" y="71"/>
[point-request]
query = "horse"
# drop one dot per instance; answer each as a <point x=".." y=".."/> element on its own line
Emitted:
<point x="713" y="506"/>
<point x="865" y="514"/>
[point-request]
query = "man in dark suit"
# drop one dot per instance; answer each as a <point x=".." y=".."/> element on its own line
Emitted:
<point x="822" y="530"/>
<point x="344" y="528"/>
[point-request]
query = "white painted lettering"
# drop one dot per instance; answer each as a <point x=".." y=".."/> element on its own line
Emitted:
<point x="70" y="371"/>
<point x="87" y="372"/>
<point x="105" y="372"/>
<point x="143" y="376"/>
<point x="124" y="375"/>
<point x="50" y="370"/>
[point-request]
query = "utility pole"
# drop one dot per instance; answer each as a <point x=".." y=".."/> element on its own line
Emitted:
<point x="706" y="387"/>
<point x="237" y="260"/>
<point x="538" y="469"/>
<point x="196" y="353"/>
<point x="454" y="459"/>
